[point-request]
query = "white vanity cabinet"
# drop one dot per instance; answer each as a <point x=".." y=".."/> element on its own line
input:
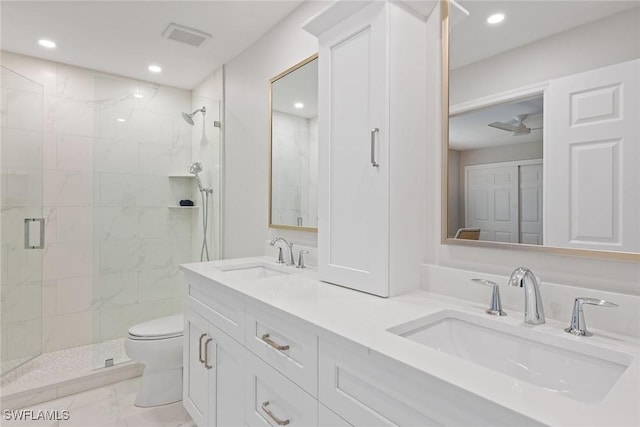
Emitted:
<point x="213" y="373"/>
<point x="213" y="390"/>
<point x="372" y="109"/>
<point x="283" y="370"/>
<point x="368" y="389"/>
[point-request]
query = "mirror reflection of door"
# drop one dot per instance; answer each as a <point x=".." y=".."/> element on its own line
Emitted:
<point x="495" y="171"/>
<point x="294" y="147"/>
<point x="583" y="57"/>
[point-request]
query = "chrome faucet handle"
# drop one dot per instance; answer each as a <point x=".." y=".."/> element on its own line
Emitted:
<point x="496" y="305"/>
<point x="578" y="325"/>
<point x="301" y="263"/>
<point x="280" y="255"/>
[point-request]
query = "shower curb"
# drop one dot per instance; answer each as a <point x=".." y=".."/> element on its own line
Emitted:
<point x="18" y="397"/>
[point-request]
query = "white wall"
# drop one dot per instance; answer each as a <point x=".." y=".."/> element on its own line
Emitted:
<point x="247" y="133"/>
<point x="583" y="48"/>
<point x="581" y="272"/>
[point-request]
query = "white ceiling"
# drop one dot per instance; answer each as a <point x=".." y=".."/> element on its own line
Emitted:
<point x="124" y="37"/>
<point x="301" y="85"/>
<point x="471" y="130"/>
<point x="472" y="39"/>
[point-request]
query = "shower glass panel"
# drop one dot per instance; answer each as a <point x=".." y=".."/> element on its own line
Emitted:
<point x="141" y="152"/>
<point x="22" y="219"/>
<point x="207" y="149"/>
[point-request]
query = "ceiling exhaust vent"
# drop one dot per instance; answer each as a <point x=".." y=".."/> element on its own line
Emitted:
<point x="186" y="35"/>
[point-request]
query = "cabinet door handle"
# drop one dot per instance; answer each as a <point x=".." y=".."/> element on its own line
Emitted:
<point x="200" y="348"/>
<point x="374" y="132"/>
<point x="273" y="344"/>
<point x="272" y="416"/>
<point x="206" y="353"/>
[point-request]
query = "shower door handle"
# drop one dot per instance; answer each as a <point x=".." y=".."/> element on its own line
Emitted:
<point x="34" y="233"/>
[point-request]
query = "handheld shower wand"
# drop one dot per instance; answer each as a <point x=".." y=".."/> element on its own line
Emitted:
<point x="195" y="168"/>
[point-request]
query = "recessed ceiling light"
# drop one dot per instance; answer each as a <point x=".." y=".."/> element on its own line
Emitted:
<point x="121" y="120"/>
<point x="138" y="95"/>
<point x="298" y="105"/>
<point x="155" y="68"/>
<point x="46" y="43"/>
<point x="495" y="18"/>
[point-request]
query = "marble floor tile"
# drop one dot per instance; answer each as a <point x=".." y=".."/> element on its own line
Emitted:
<point x="108" y="406"/>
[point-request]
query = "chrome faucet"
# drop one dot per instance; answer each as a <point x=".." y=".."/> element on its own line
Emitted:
<point x="533" y="311"/>
<point x="288" y="259"/>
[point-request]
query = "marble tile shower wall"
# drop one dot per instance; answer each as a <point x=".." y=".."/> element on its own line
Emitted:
<point x="294" y="169"/>
<point x="113" y="245"/>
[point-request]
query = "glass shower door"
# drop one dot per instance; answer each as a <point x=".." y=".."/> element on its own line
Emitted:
<point x="22" y="222"/>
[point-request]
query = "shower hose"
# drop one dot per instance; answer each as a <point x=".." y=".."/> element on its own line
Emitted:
<point x="204" y="251"/>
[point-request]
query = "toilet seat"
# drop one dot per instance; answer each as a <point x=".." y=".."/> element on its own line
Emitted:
<point x="158" y="329"/>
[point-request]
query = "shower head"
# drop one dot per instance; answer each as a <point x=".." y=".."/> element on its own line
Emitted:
<point x="188" y="117"/>
<point x="195" y="167"/>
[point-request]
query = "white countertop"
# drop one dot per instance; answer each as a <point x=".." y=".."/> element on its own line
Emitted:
<point x="364" y="319"/>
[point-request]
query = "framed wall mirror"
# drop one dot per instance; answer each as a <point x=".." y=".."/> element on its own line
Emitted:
<point x="294" y="147"/>
<point x="542" y="138"/>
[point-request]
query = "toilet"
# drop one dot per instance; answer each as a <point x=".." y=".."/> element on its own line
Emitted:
<point x="157" y="344"/>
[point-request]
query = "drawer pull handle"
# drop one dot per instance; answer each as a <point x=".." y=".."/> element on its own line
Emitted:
<point x="273" y="344"/>
<point x="273" y="417"/>
<point x="206" y="353"/>
<point x="200" y="348"/>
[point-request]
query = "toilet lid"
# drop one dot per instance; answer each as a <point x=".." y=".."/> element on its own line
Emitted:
<point x="164" y="327"/>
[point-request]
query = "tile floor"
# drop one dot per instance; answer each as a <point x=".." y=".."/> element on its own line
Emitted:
<point x="108" y="406"/>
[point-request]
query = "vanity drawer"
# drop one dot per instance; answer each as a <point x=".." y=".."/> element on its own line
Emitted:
<point x="278" y="340"/>
<point x="272" y="400"/>
<point x="221" y="307"/>
<point x="366" y="388"/>
<point x="328" y="418"/>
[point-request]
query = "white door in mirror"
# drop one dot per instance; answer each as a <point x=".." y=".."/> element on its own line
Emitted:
<point x="591" y="153"/>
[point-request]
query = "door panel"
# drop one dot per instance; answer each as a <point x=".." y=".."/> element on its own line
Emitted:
<point x="592" y="153"/>
<point x="492" y="201"/>
<point x="353" y="202"/>
<point x="195" y="375"/>
<point x="531" y="197"/>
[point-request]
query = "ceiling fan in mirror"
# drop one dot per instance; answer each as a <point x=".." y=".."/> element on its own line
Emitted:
<point x="516" y="126"/>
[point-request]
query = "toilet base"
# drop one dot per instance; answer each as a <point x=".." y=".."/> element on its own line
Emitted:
<point x="159" y="387"/>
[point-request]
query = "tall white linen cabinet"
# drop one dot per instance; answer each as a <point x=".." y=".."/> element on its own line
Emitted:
<point x="372" y="145"/>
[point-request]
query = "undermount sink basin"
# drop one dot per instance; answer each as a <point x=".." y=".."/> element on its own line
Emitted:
<point x="577" y="370"/>
<point x="252" y="271"/>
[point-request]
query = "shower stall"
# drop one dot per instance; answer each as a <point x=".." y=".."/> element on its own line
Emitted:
<point x="22" y="213"/>
<point x="94" y="167"/>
